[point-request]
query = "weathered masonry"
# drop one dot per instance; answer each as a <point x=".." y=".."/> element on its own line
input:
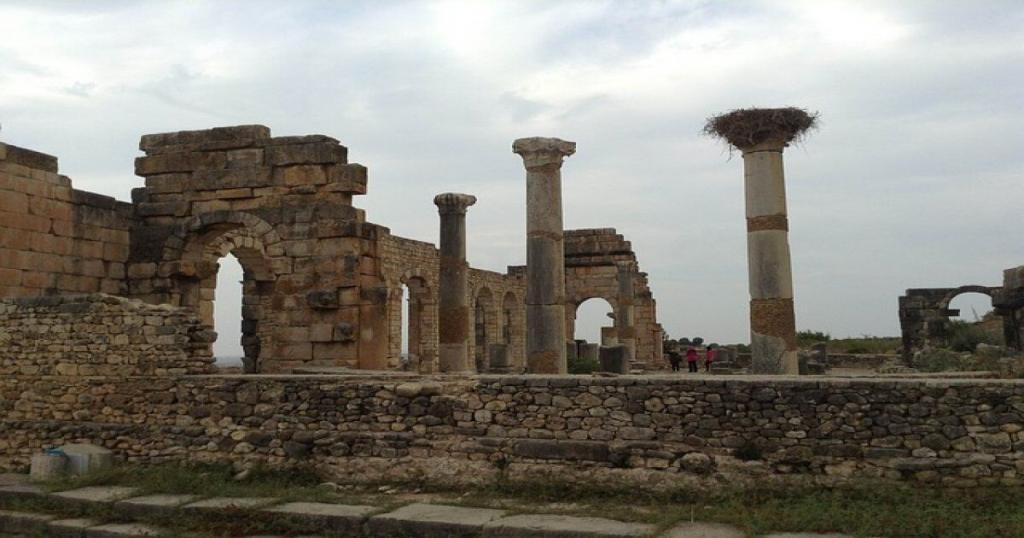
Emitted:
<point x="322" y="286"/>
<point x="925" y="312"/>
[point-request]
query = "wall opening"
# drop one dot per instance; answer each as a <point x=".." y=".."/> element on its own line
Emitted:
<point x="975" y="323"/>
<point x="482" y="327"/>
<point x="414" y="301"/>
<point x="227" y="313"/>
<point x="591" y="315"/>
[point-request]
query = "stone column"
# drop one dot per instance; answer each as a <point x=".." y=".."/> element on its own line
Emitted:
<point x="625" y="324"/>
<point x="761" y="134"/>
<point x="453" y="287"/>
<point x="772" y="321"/>
<point x="545" y="253"/>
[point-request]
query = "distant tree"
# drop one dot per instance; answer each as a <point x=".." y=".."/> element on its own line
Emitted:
<point x="697" y="341"/>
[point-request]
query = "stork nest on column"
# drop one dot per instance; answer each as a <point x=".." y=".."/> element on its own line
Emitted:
<point x="748" y="127"/>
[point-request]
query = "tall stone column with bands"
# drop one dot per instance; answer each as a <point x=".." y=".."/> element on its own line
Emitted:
<point x="761" y="135"/>
<point x="453" y="287"/>
<point x="545" y="253"/>
<point x="624" y="313"/>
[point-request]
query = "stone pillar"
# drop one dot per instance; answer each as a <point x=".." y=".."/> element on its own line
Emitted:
<point x="761" y="134"/>
<point x="772" y="321"/>
<point x="453" y="287"/>
<point x="545" y="253"/>
<point x="625" y="324"/>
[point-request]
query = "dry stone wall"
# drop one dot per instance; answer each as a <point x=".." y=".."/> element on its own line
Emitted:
<point x="649" y="430"/>
<point x="55" y="239"/>
<point x="100" y="335"/>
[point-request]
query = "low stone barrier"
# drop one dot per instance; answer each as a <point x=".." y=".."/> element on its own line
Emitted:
<point x="89" y="335"/>
<point x="654" y="430"/>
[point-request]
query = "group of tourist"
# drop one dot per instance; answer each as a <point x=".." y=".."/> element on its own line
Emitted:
<point x="692" y="359"/>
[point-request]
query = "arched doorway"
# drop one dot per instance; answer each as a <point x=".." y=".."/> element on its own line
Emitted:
<point x="227" y="314"/>
<point x="590" y="317"/>
<point x="416" y="296"/>
<point x="197" y="284"/>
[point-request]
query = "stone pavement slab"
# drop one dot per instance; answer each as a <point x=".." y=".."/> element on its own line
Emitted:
<point x="432" y="520"/>
<point x="704" y="530"/>
<point x="122" y="530"/>
<point x="22" y="491"/>
<point x="152" y="504"/>
<point x="97" y="494"/>
<point x="231" y="503"/>
<point x="68" y="528"/>
<point x="22" y="522"/>
<point x="558" y="526"/>
<point x="335" y="517"/>
<point x="805" y="535"/>
<point x="13" y="479"/>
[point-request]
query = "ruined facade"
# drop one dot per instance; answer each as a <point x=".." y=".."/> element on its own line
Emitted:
<point x="924" y="312"/>
<point x="322" y="286"/>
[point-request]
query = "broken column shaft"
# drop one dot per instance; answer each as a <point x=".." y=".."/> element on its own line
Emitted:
<point x="545" y="253"/>
<point x="453" y="285"/>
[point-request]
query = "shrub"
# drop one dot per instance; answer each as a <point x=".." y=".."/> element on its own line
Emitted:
<point x="809" y="338"/>
<point x="579" y="365"/>
<point x="963" y="336"/>
<point x="938" y="360"/>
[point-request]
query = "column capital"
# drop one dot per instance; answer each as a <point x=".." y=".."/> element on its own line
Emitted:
<point x="539" y="151"/>
<point x="453" y="202"/>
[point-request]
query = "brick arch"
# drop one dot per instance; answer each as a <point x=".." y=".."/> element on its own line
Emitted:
<point x="924" y="314"/>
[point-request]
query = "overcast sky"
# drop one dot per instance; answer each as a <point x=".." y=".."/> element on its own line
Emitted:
<point x="913" y="180"/>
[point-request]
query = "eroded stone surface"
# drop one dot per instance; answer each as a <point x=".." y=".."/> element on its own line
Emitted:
<point x="336" y="517"/>
<point x="558" y="526"/>
<point x="98" y="494"/>
<point x="704" y="530"/>
<point x="231" y="503"/>
<point x="430" y="520"/>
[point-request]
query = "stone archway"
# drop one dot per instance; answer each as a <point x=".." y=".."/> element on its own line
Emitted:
<point x="204" y="241"/>
<point x="419" y="324"/>
<point x="924" y="314"/>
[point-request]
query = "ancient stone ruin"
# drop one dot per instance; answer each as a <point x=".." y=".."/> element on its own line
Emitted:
<point x="106" y="328"/>
<point x="322" y="286"/>
<point x="925" y="313"/>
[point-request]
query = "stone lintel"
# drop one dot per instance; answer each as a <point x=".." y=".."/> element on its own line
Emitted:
<point x="539" y="151"/>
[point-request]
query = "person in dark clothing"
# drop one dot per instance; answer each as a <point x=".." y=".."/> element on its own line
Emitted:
<point x="691" y="360"/>
<point x="675" y="360"/>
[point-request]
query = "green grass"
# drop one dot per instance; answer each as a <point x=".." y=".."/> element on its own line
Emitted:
<point x="863" y="509"/>
<point x="866" y="344"/>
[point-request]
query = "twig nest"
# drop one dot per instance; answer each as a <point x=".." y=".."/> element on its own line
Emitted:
<point x="748" y="127"/>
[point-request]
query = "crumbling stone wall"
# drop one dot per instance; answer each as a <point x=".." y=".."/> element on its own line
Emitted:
<point x="590" y="271"/>
<point x="1009" y="303"/>
<point x="650" y="430"/>
<point x="55" y="239"/>
<point x="100" y="335"/>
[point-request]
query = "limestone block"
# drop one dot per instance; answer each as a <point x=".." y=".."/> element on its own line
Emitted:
<point x="23" y="523"/>
<point x="350" y="178"/>
<point x="86" y="458"/>
<point x="768" y="259"/>
<point x="238" y="134"/>
<point x="589" y="352"/>
<point x="764" y="180"/>
<point x="97" y="494"/>
<point x="614" y="359"/>
<point x="48" y="466"/>
<point x="321" y="152"/>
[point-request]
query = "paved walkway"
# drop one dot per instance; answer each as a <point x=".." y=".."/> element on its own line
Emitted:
<point x="412" y="520"/>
